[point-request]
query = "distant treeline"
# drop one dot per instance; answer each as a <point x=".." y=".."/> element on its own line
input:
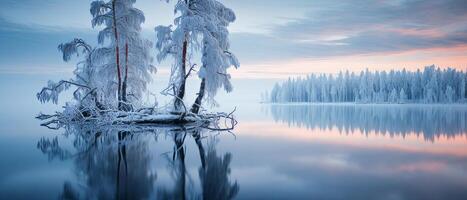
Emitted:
<point x="432" y="85"/>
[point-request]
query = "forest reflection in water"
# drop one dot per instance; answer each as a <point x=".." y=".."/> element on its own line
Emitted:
<point x="429" y="121"/>
<point x="294" y="155"/>
<point x="117" y="163"/>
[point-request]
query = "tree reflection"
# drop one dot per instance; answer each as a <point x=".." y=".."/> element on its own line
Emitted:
<point x="116" y="163"/>
<point x="177" y="168"/>
<point x="213" y="173"/>
<point x="428" y="121"/>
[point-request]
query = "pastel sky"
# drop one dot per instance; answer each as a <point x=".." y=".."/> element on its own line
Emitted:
<point x="272" y="38"/>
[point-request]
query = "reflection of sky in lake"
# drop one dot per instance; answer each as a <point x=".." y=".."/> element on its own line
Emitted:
<point x="279" y="152"/>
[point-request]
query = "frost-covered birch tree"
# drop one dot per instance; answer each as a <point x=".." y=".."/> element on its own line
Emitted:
<point x="107" y="77"/>
<point x="175" y="42"/>
<point x="203" y="25"/>
<point x="112" y="77"/>
<point x="123" y="59"/>
<point x="85" y="79"/>
<point x="216" y="55"/>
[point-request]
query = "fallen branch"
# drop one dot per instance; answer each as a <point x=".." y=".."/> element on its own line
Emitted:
<point x="211" y="121"/>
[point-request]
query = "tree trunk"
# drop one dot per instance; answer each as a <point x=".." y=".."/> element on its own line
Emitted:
<point x="125" y="78"/>
<point x="199" y="99"/>
<point x="181" y="90"/>
<point x="117" y="56"/>
<point x="96" y="101"/>
<point x="125" y="105"/>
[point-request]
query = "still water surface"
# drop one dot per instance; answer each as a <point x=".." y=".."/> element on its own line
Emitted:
<point x="276" y="152"/>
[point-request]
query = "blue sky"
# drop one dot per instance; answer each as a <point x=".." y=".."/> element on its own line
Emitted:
<point x="271" y="38"/>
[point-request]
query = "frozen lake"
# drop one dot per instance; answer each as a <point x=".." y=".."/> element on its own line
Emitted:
<point x="326" y="151"/>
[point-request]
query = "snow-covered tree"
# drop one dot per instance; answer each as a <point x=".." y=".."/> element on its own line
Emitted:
<point x="84" y="80"/>
<point x="203" y="25"/>
<point x="216" y="56"/>
<point x="113" y="76"/>
<point x="333" y="94"/>
<point x="393" y="96"/>
<point x="402" y="96"/>
<point x="108" y="77"/>
<point x="462" y="89"/>
<point x="175" y="42"/>
<point x="428" y="86"/>
<point x="124" y="59"/>
<point x="450" y="94"/>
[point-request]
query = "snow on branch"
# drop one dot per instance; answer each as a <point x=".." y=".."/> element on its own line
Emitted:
<point x="150" y="117"/>
<point x="51" y="92"/>
<point x="70" y="48"/>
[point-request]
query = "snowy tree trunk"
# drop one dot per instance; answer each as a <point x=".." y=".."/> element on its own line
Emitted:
<point x="199" y="99"/>
<point x="117" y="54"/>
<point x="181" y="90"/>
<point x="96" y="101"/>
<point x="125" y="106"/>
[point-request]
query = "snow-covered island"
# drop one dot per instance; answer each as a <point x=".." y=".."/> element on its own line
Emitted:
<point x="432" y="85"/>
<point x="112" y="76"/>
